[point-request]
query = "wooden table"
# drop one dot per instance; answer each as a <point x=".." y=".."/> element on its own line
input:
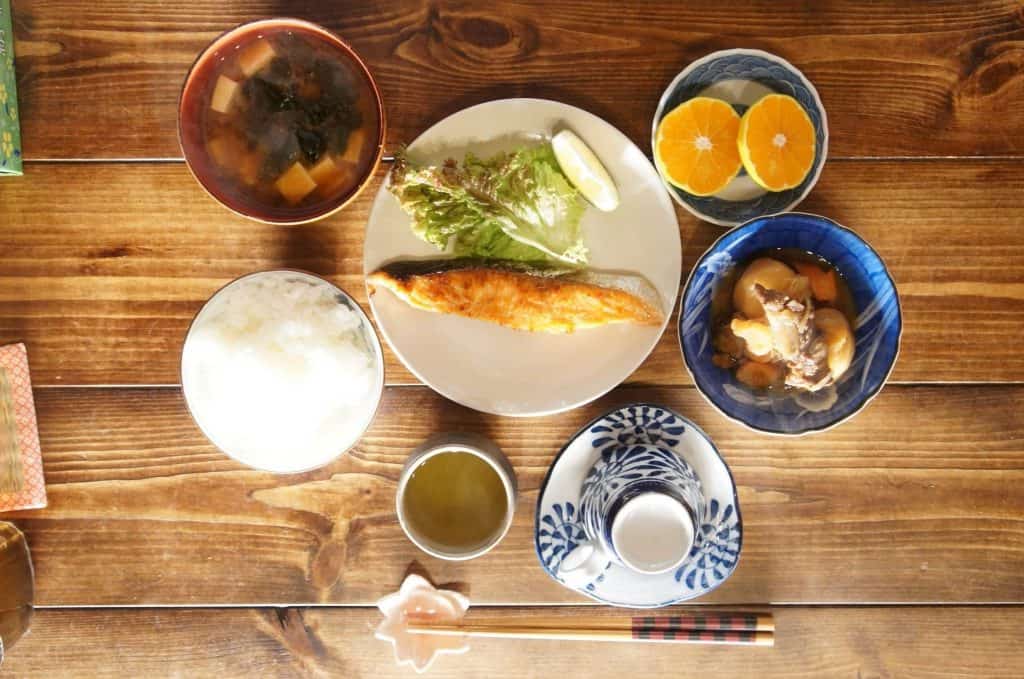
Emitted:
<point x="892" y="546"/>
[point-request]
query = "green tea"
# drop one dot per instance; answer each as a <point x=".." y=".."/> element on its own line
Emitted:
<point x="455" y="502"/>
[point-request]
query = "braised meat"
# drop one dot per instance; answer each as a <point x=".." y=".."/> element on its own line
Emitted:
<point x="798" y="342"/>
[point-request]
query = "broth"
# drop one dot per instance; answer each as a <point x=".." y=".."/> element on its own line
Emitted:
<point x="287" y="121"/>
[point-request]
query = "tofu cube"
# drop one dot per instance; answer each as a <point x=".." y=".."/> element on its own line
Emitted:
<point x="295" y="184"/>
<point x="354" y="146"/>
<point x="325" y="172"/>
<point x="255" y="57"/>
<point x="332" y="176"/>
<point x="217" y="148"/>
<point x="249" y="167"/>
<point x="342" y="180"/>
<point x="225" y="150"/>
<point x="223" y="93"/>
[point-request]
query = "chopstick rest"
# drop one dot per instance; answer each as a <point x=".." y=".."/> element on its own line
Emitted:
<point x="419" y="602"/>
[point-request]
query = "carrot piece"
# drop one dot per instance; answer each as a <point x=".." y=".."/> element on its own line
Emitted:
<point x="759" y="375"/>
<point x="824" y="286"/>
<point x="722" y="360"/>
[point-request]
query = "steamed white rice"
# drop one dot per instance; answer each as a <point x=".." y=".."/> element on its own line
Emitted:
<point x="279" y="373"/>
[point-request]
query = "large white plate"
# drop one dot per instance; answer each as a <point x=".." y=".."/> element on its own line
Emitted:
<point x="508" y="372"/>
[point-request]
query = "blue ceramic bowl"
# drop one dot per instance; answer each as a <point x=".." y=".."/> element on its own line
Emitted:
<point x="877" y="329"/>
<point x="741" y="77"/>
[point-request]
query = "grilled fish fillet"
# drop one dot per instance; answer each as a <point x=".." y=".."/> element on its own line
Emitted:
<point x="522" y="296"/>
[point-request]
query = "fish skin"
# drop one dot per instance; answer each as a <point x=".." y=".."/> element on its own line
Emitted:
<point x="533" y="297"/>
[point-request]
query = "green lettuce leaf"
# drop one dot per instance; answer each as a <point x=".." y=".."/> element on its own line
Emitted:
<point x="512" y="206"/>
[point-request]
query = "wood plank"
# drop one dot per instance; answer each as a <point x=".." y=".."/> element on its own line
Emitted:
<point x="908" y="642"/>
<point x="915" y="79"/>
<point x="916" y="500"/>
<point x="104" y="265"/>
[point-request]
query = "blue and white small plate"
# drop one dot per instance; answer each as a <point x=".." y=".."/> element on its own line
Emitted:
<point x="559" y="527"/>
<point x="742" y="77"/>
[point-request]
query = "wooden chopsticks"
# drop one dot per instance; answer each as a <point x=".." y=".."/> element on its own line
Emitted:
<point x="737" y="629"/>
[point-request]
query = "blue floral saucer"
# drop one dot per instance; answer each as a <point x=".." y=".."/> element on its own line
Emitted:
<point x="716" y="548"/>
<point x="742" y="77"/>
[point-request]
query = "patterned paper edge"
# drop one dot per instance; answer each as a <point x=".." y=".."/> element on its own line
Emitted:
<point x="11" y="356"/>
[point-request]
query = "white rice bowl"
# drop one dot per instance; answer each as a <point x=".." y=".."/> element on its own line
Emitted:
<point x="282" y="371"/>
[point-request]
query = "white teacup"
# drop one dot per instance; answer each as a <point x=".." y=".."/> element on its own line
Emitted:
<point x="640" y="507"/>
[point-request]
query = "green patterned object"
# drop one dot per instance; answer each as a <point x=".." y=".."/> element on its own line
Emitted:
<point x="10" y="137"/>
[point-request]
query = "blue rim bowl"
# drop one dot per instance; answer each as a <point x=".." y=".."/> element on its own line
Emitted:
<point x="741" y="77"/>
<point x="877" y="330"/>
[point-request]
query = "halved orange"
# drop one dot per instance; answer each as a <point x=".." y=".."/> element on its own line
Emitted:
<point x="695" y="146"/>
<point x="776" y="142"/>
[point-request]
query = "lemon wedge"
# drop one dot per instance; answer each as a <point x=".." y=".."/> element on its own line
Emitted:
<point x="585" y="171"/>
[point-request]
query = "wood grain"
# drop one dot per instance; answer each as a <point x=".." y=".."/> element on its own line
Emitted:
<point x="908" y="642"/>
<point x="916" y="500"/>
<point x="104" y="265"/>
<point x="908" y="79"/>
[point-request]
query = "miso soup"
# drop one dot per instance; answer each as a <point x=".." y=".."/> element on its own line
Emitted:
<point x="288" y="121"/>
